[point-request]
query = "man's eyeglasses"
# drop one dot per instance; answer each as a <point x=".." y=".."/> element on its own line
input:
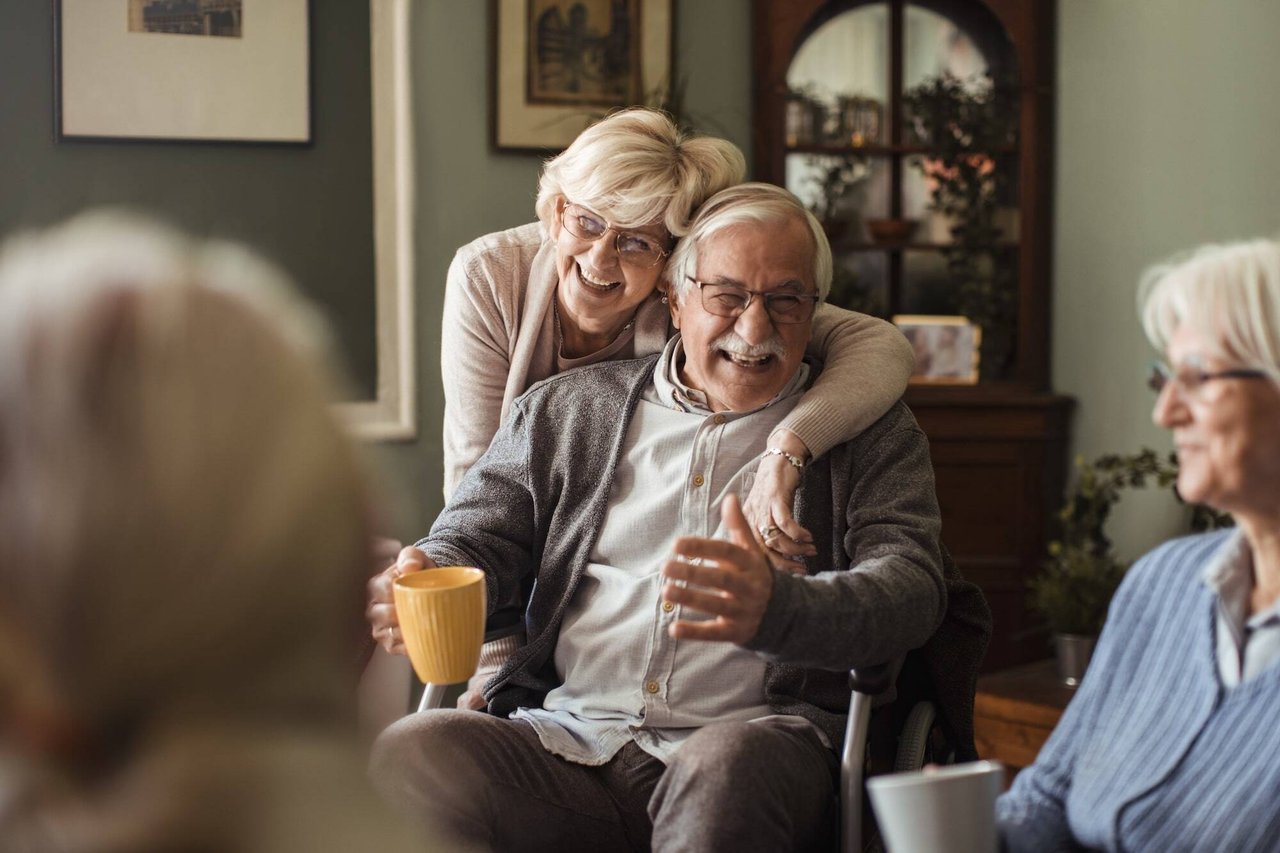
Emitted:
<point x="1190" y="378"/>
<point x="637" y="249"/>
<point x="730" y="300"/>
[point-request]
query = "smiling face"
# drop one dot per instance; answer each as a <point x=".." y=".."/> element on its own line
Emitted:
<point x="597" y="292"/>
<point x="1227" y="432"/>
<point x="742" y="362"/>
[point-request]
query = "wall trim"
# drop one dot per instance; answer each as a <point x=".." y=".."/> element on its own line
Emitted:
<point x="393" y="415"/>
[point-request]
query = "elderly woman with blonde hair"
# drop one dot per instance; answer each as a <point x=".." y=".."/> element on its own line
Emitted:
<point x="1171" y="742"/>
<point x="586" y="283"/>
<point x="174" y="673"/>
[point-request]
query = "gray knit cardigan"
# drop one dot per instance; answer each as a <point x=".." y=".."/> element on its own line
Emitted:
<point x="530" y="510"/>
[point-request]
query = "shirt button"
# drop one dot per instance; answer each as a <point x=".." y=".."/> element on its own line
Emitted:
<point x="698" y="480"/>
<point x="667" y="606"/>
<point x="652" y="687"/>
<point x="718" y="420"/>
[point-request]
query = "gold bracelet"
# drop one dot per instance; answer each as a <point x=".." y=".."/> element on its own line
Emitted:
<point x="792" y="459"/>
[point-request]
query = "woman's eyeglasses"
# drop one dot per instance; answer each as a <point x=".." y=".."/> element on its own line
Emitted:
<point x="634" y="248"/>
<point x="1190" y="379"/>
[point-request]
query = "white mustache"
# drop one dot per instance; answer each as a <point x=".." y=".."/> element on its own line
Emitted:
<point x="731" y="342"/>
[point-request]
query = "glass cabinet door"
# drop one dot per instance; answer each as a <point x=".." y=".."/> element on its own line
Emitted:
<point x="901" y="135"/>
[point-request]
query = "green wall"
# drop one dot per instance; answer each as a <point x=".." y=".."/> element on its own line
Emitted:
<point x="1168" y="123"/>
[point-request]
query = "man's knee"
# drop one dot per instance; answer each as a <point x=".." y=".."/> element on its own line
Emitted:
<point x="426" y="759"/>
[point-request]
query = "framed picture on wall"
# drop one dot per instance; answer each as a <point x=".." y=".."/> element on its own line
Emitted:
<point x="225" y="70"/>
<point x="560" y="64"/>
<point x="946" y="348"/>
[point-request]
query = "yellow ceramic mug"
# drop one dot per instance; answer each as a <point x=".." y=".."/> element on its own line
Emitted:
<point x="441" y="614"/>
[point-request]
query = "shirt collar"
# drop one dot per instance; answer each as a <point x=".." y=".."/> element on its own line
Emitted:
<point x="667" y="382"/>
<point x="1229" y="573"/>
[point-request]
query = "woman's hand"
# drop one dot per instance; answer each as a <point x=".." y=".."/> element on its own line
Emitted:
<point x="381" y="611"/>
<point x="768" y="507"/>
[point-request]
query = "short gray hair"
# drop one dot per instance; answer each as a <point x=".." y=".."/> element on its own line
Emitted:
<point x="182" y="519"/>
<point x="750" y="202"/>
<point x="635" y="167"/>
<point x="1229" y="292"/>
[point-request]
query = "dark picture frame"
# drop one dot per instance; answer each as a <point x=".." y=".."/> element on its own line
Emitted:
<point x="560" y="64"/>
<point x="236" y="71"/>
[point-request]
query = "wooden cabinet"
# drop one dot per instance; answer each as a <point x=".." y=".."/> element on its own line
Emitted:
<point x="1015" y="711"/>
<point x="833" y="80"/>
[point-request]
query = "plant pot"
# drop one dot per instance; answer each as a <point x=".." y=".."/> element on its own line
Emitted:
<point x="890" y="231"/>
<point x="1073" y="652"/>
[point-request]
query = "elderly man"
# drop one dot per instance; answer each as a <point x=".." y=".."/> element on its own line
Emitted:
<point x="676" y="689"/>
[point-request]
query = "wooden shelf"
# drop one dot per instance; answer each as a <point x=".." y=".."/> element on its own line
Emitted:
<point x="841" y="247"/>
<point x="833" y="149"/>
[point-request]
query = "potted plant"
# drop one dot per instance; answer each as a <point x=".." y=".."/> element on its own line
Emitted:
<point x="966" y="126"/>
<point x="832" y="180"/>
<point x="1082" y="573"/>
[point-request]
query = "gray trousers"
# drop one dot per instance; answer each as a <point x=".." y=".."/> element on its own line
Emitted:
<point x="732" y="786"/>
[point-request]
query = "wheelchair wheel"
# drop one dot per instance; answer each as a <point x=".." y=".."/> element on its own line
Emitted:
<point x="913" y="743"/>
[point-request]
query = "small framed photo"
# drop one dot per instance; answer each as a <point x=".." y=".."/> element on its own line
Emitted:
<point x="188" y="70"/>
<point x="560" y="64"/>
<point x="947" y="348"/>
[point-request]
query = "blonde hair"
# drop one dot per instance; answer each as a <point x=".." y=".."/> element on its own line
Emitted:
<point x="750" y="202"/>
<point x="1229" y="292"/>
<point x="183" y="523"/>
<point x="635" y="167"/>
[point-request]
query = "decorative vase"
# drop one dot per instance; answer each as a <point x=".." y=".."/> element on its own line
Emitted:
<point x="1073" y="652"/>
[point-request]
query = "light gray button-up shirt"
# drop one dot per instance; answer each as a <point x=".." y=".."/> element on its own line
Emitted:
<point x="1246" y="645"/>
<point x="624" y="677"/>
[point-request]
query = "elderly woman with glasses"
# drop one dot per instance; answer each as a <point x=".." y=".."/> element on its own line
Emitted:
<point x="585" y="283"/>
<point x="1171" y="742"/>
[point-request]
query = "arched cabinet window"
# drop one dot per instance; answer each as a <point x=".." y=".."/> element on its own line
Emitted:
<point x="919" y="132"/>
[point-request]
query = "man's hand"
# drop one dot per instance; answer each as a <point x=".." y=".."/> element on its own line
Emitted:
<point x="381" y="611"/>
<point x="768" y="507"/>
<point x="729" y="581"/>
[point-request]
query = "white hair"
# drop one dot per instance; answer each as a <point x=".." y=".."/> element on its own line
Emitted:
<point x="750" y="202"/>
<point x="182" y="519"/>
<point x="1230" y="293"/>
<point x="635" y="167"/>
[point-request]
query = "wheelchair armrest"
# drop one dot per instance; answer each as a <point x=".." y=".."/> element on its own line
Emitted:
<point x="874" y="680"/>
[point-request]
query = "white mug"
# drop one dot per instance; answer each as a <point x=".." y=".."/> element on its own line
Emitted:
<point x="939" y="810"/>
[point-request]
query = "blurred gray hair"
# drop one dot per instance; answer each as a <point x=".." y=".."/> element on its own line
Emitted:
<point x="1230" y="293"/>
<point x="183" y="522"/>
<point x="750" y="202"/>
<point x="635" y="167"/>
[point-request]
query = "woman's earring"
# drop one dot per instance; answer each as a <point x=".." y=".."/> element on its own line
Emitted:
<point x="664" y="299"/>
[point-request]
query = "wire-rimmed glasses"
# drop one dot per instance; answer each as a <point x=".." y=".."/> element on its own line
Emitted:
<point x="641" y="250"/>
<point x="1190" y="379"/>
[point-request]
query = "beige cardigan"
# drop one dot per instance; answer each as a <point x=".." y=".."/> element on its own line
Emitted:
<point x="498" y="338"/>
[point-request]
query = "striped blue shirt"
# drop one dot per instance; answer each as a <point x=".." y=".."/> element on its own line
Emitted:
<point x="1155" y="752"/>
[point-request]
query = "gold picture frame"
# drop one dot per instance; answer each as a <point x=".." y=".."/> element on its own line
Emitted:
<point x="560" y="64"/>
<point x="947" y="348"/>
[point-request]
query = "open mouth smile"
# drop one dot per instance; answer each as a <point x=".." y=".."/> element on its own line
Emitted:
<point x="748" y="362"/>
<point x="596" y="284"/>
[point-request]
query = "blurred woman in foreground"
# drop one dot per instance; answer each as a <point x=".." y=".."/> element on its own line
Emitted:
<point x="174" y="674"/>
<point x="1171" y="742"/>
